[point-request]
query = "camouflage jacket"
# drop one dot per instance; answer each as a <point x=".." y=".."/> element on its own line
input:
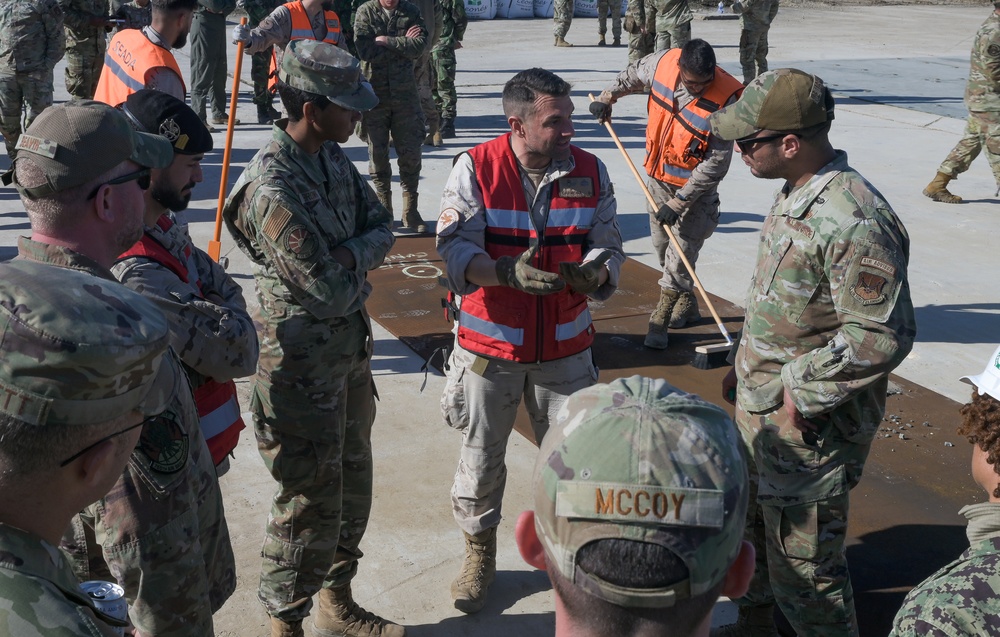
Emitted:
<point x="828" y="313"/>
<point x="276" y="30"/>
<point x="135" y="17"/>
<point x="674" y="12"/>
<point x="162" y="526"/>
<point x="288" y="212"/>
<point x="77" y="18"/>
<point x="257" y="10"/>
<point x="31" y="36"/>
<point x="961" y="599"/>
<point x="453" y="24"/>
<point x="758" y="14"/>
<point x="210" y="328"/>
<point x="39" y="595"/>
<point x="982" y="92"/>
<point x="389" y="68"/>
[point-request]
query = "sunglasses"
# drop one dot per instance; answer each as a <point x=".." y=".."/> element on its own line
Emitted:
<point x="102" y="440"/>
<point x="142" y="178"/>
<point x="747" y="143"/>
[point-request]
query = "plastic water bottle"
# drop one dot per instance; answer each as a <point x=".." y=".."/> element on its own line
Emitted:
<point x="722" y="7"/>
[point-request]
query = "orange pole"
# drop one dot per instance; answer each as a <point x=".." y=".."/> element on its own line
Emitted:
<point x="215" y="246"/>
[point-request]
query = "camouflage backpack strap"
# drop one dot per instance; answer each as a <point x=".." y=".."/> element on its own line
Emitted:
<point x="234" y="214"/>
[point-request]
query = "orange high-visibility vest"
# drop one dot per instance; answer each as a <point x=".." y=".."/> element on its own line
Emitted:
<point x="129" y="57"/>
<point x="302" y="30"/>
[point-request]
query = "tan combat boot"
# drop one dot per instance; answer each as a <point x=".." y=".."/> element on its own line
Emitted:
<point x="286" y="629"/>
<point x="433" y="136"/>
<point x="685" y="311"/>
<point x="560" y="41"/>
<point x="656" y="337"/>
<point x="478" y="570"/>
<point x="601" y="42"/>
<point x="411" y="218"/>
<point x="753" y="621"/>
<point x="384" y="193"/>
<point x="340" y="616"/>
<point x="938" y="189"/>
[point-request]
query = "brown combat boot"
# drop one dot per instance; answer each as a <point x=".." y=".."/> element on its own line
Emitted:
<point x="478" y="570"/>
<point x="685" y="311"/>
<point x="411" y="218"/>
<point x="281" y="628"/>
<point x="753" y="621"/>
<point x="384" y="193"/>
<point x="656" y="337"/>
<point x="601" y="42"/>
<point x="560" y="41"/>
<point x="340" y="616"/>
<point x="433" y="136"/>
<point x="938" y="189"/>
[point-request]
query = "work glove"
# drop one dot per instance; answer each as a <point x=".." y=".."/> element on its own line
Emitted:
<point x="584" y="278"/>
<point x="670" y="212"/>
<point x="601" y="110"/>
<point x="518" y="274"/>
<point x="241" y="33"/>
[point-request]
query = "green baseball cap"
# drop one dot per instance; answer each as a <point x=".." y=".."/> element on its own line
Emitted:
<point x="640" y="460"/>
<point x="76" y="349"/>
<point x="325" y="69"/>
<point x="80" y="140"/>
<point x="779" y="100"/>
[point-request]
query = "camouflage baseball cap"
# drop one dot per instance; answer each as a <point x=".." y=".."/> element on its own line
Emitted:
<point x="640" y="460"/>
<point x="76" y="349"/>
<point x="159" y="113"/>
<point x="80" y="140"/>
<point x="779" y="100"/>
<point x="325" y="69"/>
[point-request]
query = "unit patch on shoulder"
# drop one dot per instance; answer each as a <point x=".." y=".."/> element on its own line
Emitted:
<point x="868" y="288"/>
<point x="447" y="222"/>
<point x="300" y="242"/>
<point x="576" y="187"/>
<point x="164" y="444"/>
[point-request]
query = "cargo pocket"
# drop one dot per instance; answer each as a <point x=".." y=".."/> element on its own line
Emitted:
<point x="280" y="570"/>
<point x="454" y="408"/>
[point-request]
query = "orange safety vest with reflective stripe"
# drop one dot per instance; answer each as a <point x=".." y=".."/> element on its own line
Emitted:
<point x="218" y="405"/>
<point x="129" y="56"/>
<point x="506" y="323"/>
<point x="302" y="30"/>
<point x="677" y="140"/>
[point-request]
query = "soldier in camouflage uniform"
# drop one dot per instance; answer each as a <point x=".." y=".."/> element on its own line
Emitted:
<point x="640" y="24"/>
<point x="31" y="43"/>
<point x="136" y="14"/>
<point x="208" y="60"/>
<point x="604" y="7"/>
<point x="210" y="328"/>
<point x="87" y="23"/>
<point x="670" y="472"/>
<point x="453" y="24"/>
<point x="161" y="531"/>
<point x="828" y="317"/>
<point x="756" y="17"/>
<point x="423" y="70"/>
<point x="982" y="98"/>
<point x="69" y="419"/>
<point x="314" y="229"/>
<point x="389" y="36"/>
<point x="562" y="18"/>
<point x="963" y="598"/>
<point x="672" y="23"/>
<point x="260" y="61"/>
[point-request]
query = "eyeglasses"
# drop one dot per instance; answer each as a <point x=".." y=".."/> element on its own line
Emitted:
<point x="747" y="143"/>
<point x="102" y="440"/>
<point x="141" y="177"/>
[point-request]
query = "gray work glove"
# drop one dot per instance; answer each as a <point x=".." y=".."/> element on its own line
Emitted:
<point x="670" y="212"/>
<point x="241" y="33"/>
<point x="584" y="278"/>
<point x="600" y="110"/>
<point x="518" y="274"/>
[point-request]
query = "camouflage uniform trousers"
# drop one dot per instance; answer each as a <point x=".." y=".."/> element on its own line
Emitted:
<point x="797" y="520"/>
<point x="445" y="95"/>
<point x="670" y="34"/>
<point x="604" y="7"/>
<point x="982" y="133"/>
<point x="562" y="17"/>
<point x="423" y="71"/>
<point x="485" y="406"/>
<point x="208" y="62"/>
<point x="753" y="42"/>
<point x="694" y="227"/>
<point x="30" y="93"/>
<point x="84" y="62"/>
<point x="641" y="35"/>
<point x="260" y="62"/>
<point x="320" y="511"/>
<point x="398" y="120"/>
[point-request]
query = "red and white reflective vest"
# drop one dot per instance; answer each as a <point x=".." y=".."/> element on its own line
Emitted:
<point x="676" y="142"/>
<point x="218" y="406"/>
<point x="129" y="56"/>
<point x="506" y="323"/>
<point x="302" y="30"/>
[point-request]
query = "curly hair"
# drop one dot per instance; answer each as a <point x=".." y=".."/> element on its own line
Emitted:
<point x="981" y="425"/>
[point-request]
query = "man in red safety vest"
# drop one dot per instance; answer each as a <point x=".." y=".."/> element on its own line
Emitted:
<point x="684" y="161"/>
<point x="211" y="330"/>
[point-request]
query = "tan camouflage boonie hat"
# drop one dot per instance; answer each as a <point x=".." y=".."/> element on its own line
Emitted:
<point x="76" y="349"/>
<point x="640" y="460"/>
<point x="779" y="100"/>
<point x="325" y="69"/>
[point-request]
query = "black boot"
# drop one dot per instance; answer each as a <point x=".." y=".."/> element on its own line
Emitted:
<point x="263" y="114"/>
<point x="447" y="127"/>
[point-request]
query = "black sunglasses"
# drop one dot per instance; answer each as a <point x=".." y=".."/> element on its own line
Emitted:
<point x="142" y="178"/>
<point x="747" y="143"/>
<point x="104" y="439"/>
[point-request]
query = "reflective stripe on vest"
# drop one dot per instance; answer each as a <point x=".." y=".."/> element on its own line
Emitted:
<point x="130" y="55"/>
<point x="302" y="30"/>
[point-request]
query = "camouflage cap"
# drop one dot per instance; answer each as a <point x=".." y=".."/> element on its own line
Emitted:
<point x="325" y="69"/>
<point x="159" y="113"/>
<point x="987" y="382"/>
<point x="80" y="140"/>
<point x="640" y="460"/>
<point x="779" y="100"/>
<point x="76" y="349"/>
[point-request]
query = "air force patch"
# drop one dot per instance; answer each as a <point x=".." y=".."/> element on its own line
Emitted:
<point x="447" y="222"/>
